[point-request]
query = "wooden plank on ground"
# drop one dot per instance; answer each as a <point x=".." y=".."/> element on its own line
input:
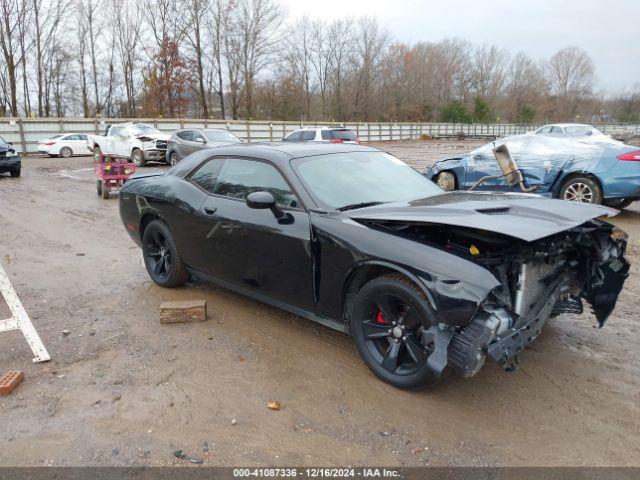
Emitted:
<point x="183" y="311"/>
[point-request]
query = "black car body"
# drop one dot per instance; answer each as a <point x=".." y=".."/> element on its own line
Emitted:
<point x="9" y="160"/>
<point x="476" y="274"/>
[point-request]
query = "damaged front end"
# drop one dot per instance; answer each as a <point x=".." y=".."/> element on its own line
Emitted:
<point x="539" y="281"/>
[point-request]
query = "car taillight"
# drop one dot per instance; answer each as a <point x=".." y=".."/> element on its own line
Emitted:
<point x="48" y="144"/>
<point x="336" y="140"/>
<point x="630" y="157"/>
<point x="358" y="141"/>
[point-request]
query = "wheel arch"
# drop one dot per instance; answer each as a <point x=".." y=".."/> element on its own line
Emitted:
<point x="456" y="181"/>
<point x="146" y="219"/>
<point x="366" y="272"/>
<point x="567" y="176"/>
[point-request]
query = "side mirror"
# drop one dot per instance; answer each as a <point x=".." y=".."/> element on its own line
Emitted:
<point x="200" y="140"/>
<point x="265" y="200"/>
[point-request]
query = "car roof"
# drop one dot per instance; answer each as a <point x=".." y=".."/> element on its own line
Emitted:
<point x="323" y="127"/>
<point x="276" y="152"/>
<point x="567" y="125"/>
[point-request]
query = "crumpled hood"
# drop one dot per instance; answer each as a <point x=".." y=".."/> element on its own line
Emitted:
<point x="149" y="138"/>
<point x="524" y="216"/>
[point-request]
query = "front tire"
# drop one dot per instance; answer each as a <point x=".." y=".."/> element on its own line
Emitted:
<point x="173" y="158"/>
<point x="161" y="256"/>
<point x="15" y="173"/>
<point x="388" y="318"/>
<point x="66" y="152"/>
<point x="581" y="189"/>
<point x="446" y="181"/>
<point x="137" y="157"/>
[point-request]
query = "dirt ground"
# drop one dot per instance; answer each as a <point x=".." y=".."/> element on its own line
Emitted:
<point x="123" y="390"/>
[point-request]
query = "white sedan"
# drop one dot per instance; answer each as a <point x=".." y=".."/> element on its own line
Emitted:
<point x="65" y="145"/>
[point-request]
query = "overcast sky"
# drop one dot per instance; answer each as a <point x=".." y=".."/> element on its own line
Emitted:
<point x="607" y="29"/>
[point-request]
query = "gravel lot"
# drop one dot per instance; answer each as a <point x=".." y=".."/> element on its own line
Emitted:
<point x="122" y="390"/>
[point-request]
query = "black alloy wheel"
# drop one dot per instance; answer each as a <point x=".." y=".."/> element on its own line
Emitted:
<point x="161" y="256"/>
<point x="389" y="318"/>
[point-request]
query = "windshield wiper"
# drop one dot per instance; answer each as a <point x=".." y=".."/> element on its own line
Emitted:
<point x="354" y="206"/>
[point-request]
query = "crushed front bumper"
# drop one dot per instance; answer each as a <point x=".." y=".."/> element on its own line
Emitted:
<point x="155" y="154"/>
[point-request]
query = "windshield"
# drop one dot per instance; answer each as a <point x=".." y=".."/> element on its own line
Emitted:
<point x="3" y="144"/>
<point x="339" y="180"/>
<point x="220" y="136"/>
<point x="143" y="129"/>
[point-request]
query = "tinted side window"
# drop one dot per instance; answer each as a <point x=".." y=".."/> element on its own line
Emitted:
<point x="240" y="177"/>
<point x="71" y="137"/>
<point x="82" y="137"/>
<point x="185" y="135"/>
<point x="308" y="135"/>
<point x="197" y="137"/>
<point x="294" y="137"/>
<point x="207" y="175"/>
<point x="348" y="135"/>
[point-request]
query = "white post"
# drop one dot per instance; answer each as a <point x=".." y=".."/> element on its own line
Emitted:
<point x="20" y="320"/>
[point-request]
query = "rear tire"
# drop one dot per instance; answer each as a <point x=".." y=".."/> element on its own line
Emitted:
<point x="446" y="181"/>
<point x="161" y="257"/>
<point x="581" y="189"/>
<point x="387" y="319"/>
<point x="104" y="189"/>
<point x="137" y="157"/>
<point x="15" y="173"/>
<point x="99" y="188"/>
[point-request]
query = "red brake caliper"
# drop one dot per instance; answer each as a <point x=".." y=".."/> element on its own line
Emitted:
<point x="380" y="317"/>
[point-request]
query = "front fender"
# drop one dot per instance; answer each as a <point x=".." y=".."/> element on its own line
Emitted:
<point x="454" y="286"/>
<point x="450" y="164"/>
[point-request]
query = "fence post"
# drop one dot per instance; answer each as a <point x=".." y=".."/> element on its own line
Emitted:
<point x="248" y="131"/>
<point x="23" y="142"/>
<point x="270" y="132"/>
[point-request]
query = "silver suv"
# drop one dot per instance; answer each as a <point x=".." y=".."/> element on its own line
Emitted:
<point x="188" y="140"/>
<point x="322" y="134"/>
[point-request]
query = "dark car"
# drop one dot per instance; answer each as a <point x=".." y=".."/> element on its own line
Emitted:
<point x="589" y="171"/>
<point x="355" y="239"/>
<point x="9" y="160"/>
<point x="185" y="142"/>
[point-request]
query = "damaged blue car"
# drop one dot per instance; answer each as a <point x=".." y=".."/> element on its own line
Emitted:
<point x="596" y="171"/>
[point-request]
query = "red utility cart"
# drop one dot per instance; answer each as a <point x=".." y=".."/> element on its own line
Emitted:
<point x="112" y="176"/>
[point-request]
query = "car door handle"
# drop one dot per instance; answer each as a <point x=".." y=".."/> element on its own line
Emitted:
<point x="210" y="210"/>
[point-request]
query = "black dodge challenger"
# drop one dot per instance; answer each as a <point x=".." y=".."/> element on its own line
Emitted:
<point x="353" y="238"/>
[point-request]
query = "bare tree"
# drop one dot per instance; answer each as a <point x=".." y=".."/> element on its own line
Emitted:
<point x="258" y="30"/>
<point x="47" y="17"/>
<point x="299" y="43"/>
<point x="13" y="14"/>
<point x="198" y="12"/>
<point x="571" y="76"/>
<point x="370" y="43"/>
<point x="339" y="44"/>
<point x="126" y="29"/>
